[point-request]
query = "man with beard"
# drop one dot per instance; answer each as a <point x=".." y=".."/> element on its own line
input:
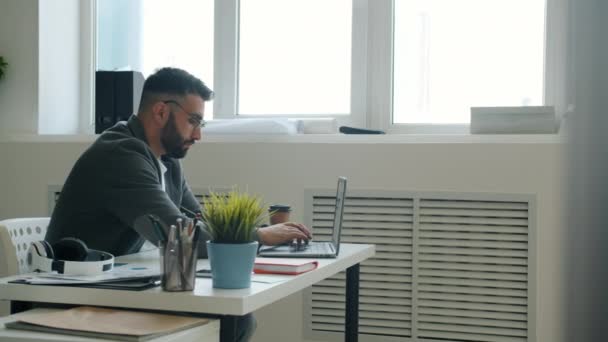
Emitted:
<point x="133" y="169"/>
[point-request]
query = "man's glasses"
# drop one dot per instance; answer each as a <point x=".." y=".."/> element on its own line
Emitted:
<point x="196" y="120"/>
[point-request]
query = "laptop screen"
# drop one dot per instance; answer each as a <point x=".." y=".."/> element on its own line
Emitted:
<point x="338" y="212"/>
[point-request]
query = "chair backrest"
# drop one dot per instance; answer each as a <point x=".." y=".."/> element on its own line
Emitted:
<point x="16" y="236"/>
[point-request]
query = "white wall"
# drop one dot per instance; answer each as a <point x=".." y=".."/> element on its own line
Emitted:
<point x="19" y="46"/>
<point x="42" y="90"/>
<point x="281" y="172"/>
<point x="59" y="72"/>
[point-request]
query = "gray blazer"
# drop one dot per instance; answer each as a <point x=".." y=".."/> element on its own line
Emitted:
<point x="112" y="186"/>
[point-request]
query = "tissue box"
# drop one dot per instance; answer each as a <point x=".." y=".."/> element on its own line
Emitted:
<point x="513" y="120"/>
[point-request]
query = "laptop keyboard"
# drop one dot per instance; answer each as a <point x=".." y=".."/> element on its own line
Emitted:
<point x="316" y="248"/>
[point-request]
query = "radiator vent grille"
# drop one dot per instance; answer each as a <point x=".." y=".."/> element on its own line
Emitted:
<point x="386" y="280"/>
<point x="447" y="267"/>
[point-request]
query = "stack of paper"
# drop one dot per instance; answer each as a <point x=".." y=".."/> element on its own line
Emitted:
<point x="121" y="325"/>
<point x="126" y="277"/>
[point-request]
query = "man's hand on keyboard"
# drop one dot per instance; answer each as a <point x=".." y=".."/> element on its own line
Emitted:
<point x="284" y="233"/>
<point x="298" y="245"/>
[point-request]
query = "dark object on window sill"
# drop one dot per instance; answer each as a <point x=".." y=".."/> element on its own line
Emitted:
<point x="353" y="130"/>
<point x="117" y="95"/>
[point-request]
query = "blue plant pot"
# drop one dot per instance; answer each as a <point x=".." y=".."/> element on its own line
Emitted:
<point x="232" y="264"/>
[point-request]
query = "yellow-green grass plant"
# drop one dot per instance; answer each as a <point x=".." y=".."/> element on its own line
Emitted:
<point x="233" y="217"/>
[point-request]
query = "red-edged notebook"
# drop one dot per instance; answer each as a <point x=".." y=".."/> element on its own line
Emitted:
<point x="283" y="266"/>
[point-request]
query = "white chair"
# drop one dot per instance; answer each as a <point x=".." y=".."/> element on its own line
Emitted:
<point x="16" y="236"/>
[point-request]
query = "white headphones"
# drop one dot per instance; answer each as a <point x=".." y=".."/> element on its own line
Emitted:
<point x="68" y="256"/>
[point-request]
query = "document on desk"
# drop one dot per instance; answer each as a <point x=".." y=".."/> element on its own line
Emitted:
<point x="123" y="273"/>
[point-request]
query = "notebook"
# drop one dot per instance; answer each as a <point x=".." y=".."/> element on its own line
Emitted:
<point x="315" y="249"/>
<point x="289" y="266"/>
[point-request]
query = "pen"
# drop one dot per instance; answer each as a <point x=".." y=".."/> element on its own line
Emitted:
<point x="180" y="228"/>
<point x="181" y="253"/>
<point x="196" y="234"/>
<point x="191" y="226"/>
<point x="190" y="212"/>
<point x="172" y="234"/>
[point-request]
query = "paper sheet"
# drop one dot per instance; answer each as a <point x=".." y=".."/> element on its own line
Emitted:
<point x="111" y="321"/>
<point x="270" y="279"/>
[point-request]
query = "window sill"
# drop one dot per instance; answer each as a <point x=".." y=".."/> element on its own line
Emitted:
<point x="389" y="139"/>
<point x="47" y="138"/>
<point x="324" y="138"/>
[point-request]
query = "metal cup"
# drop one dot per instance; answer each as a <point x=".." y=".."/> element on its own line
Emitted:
<point x="178" y="265"/>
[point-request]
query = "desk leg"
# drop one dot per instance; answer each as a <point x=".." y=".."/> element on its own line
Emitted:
<point x="351" y="323"/>
<point x="228" y="328"/>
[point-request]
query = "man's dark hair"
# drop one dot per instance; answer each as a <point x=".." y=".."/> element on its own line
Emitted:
<point x="172" y="81"/>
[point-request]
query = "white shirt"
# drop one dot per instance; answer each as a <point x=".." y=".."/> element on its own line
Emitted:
<point x="163" y="169"/>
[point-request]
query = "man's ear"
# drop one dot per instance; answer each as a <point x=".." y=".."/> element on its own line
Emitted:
<point x="160" y="113"/>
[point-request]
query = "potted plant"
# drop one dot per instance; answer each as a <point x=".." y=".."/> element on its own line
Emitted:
<point x="231" y="220"/>
<point x="3" y="65"/>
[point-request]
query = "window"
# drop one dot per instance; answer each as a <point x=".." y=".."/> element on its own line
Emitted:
<point x="178" y="33"/>
<point x="159" y="33"/>
<point x="452" y="55"/>
<point x="393" y="65"/>
<point x="294" y="57"/>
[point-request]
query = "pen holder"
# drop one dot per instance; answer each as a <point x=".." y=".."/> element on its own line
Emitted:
<point x="178" y="265"/>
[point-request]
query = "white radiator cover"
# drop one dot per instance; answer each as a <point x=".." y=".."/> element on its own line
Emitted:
<point x="448" y="266"/>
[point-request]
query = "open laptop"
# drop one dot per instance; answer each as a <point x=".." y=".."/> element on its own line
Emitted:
<point x="314" y="249"/>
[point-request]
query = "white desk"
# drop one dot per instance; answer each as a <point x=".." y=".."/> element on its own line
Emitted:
<point x="229" y="304"/>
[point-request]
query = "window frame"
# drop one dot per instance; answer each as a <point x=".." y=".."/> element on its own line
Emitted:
<point x="381" y="17"/>
<point x="88" y="66"/>
<point x="226" y="73"/>
<point x="371" y="67"/>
